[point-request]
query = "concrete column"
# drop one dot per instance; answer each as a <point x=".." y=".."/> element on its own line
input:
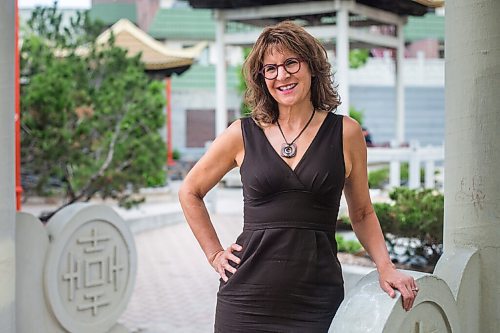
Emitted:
<point x="394" y="173"/>
<point x="414" y="166"/>
<point x="342" y="57"/>
<point x="429" y="174"/>
<point x="472" y="154"/>
<point x="400" y="89"/>
<point x="7" y="183"/>
<point x="220" y="75"/>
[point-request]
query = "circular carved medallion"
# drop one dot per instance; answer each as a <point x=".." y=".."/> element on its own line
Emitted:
<point x="91" y="267"/>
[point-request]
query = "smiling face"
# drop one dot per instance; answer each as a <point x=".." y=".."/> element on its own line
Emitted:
<point x="288" y="89"/>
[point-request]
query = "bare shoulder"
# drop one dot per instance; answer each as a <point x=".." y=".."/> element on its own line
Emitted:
<point x="230" y="142"/>
<point x="234" y="129"/>
<point x="232" y="135"/>
<point x="351" y="129"/>
<point x="354" y="143"/>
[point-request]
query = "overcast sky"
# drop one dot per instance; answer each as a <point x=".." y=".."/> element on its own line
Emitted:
<point x="61" y="3"/>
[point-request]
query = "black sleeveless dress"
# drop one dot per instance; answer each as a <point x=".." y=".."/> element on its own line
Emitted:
<point x="289" y="278"/>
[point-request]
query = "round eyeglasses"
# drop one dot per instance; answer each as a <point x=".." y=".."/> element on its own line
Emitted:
<point x="291" y="65"/>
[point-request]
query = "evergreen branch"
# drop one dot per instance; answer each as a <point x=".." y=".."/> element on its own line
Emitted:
<point x="107" y="161"/>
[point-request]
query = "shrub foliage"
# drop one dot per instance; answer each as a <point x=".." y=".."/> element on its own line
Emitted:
<point x="90" y="115"/>
<point x="414" y="213"/>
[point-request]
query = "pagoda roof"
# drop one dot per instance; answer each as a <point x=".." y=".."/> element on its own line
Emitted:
<point x="155" y="55"/>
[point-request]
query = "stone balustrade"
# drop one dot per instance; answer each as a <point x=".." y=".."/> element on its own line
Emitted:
<point x="415" y="156"/>
<point x="445" y="299"/>
<point x="75" y="274"/>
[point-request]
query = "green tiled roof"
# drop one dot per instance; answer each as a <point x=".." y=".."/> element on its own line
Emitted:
<point x="110" y="13"/>
<point x="183" y="23"/>
<point x="203" y="77"/>
<point x="198" y="24"/>
<point x="189" y="24"/>
<point x="425" y="27"/>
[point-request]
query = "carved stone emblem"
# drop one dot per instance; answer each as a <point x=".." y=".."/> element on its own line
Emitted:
<point x="90" y="268"/>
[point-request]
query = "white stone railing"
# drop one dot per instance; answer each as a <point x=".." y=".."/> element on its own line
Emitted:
<point x="415" y="156"/>
<point x="75" y="274"/>
<point x="448" y="301"/>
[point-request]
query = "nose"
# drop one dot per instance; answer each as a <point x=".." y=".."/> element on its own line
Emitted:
<point x="282" y="73"/>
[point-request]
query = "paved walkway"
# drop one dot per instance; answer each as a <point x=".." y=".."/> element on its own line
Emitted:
<point x="175" y="287"/>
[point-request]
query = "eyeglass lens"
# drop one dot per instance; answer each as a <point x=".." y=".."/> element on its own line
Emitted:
<point x="291" y="65"/>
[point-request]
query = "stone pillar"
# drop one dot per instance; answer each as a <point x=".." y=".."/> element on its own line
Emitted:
<point x="472" y="153"/>
<point x="220" y="74"/>
<point x="7" y="183"/>
<point x="399" y="84"/>
<point x="342" y="58"/>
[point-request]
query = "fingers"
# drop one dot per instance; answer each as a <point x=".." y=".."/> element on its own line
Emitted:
<point x="408" y="290"/>
<point x="222" y="273"/>
<point x="408" y="297"/>
<point x="236" y="247"/>
<point x="221" y="262"/>
<point x="388" y="289"/>
<point x="233" y="258"/>
<point x="404" y="283"/>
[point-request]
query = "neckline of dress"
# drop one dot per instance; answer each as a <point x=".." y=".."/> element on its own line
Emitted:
<point x="306" y="151"/>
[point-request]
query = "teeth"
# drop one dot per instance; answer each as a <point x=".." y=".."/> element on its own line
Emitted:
<point x="290" y="86"/>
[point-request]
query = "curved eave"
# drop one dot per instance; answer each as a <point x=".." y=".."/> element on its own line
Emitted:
<point x="431" y="3"/>
<point x="154" y="54"/>
<point x="167" y="65"/>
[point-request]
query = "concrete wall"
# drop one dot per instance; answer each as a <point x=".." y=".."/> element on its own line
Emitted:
<point x="7" y="185"/>
<point x="424" y="112"/>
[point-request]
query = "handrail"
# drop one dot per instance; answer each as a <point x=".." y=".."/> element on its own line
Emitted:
<point x="368" y="309"/>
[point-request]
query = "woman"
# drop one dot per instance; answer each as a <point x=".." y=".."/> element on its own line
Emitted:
<point x="295" y="157"/>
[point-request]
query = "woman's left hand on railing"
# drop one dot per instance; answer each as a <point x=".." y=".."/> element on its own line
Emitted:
<point x="391" y="279"/>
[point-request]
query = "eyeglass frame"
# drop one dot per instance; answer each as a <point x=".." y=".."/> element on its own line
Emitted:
<point x="281" y="65"/>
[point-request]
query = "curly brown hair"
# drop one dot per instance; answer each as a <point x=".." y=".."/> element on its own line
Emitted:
<point x="292" y="37"/>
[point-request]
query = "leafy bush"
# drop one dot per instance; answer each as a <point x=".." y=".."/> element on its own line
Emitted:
<point x="358" y="58"/>
<point x="349" y="246"/>
<point x="415" y="213"/>
<point x="378" y="178"/>
<point x="356" y="114"/>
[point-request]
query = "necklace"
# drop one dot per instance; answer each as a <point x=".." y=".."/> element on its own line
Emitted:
<point x="289" y="150"/>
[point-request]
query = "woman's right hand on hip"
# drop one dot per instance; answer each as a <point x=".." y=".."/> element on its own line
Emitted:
<point x="221" y="261"/>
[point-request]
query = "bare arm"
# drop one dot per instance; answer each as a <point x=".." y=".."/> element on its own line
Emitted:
<point x="363" y="218"/>
<point x="221" y="157"/>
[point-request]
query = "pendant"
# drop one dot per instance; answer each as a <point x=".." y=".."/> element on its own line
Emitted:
<point x="288" y="150"/>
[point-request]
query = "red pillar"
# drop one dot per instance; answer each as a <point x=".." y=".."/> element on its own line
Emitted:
<point x="168" y="87"/>
<point x="17" y="118"/>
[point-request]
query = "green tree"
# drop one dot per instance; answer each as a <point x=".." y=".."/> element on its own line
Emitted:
<point x="90" y="115"/>
<point x="242" y="86"/>
<point x="358" y="57"/>
<point x="356" y="114"/>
